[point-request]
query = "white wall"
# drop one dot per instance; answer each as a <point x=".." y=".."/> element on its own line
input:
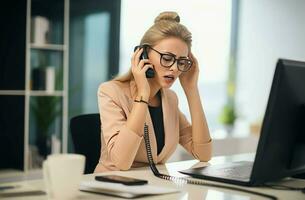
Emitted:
<point x="267" y="31"/>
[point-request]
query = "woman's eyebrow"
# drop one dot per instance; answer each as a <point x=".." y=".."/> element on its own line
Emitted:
<point x="167" y="52"/>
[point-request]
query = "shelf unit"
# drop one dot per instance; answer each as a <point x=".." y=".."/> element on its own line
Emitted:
<point x="18" y="58"/>
<point x="61" y="48"/>
<point x="57" y="52"/>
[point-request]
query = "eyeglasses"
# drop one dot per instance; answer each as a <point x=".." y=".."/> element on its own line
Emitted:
<point x="167" y="60"/>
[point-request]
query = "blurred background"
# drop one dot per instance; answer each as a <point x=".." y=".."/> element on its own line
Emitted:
<point x="55" y="53"/>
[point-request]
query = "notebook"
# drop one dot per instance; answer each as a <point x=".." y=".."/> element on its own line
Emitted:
<point x="120" y="190"/>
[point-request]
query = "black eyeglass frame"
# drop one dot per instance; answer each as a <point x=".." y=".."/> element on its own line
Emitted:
<point x="175" y="60"/>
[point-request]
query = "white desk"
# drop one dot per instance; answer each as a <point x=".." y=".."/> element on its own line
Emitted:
<point x="190" y="192"/>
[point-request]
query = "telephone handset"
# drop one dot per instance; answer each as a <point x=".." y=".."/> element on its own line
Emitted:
<point x="150" y="73"/>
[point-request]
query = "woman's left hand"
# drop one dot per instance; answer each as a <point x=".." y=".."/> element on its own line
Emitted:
<point x="189" y="79"/>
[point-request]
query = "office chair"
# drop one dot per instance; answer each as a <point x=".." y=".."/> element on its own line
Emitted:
<point x="86" y="135"/>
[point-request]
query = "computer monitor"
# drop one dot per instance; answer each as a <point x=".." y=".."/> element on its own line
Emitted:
<point x="281" y="148"/>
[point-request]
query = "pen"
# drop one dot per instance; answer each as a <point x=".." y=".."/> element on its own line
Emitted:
<point x="6" y="187"/>
<point x="22" y="194"/>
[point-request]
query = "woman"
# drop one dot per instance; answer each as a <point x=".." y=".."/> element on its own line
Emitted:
<point x="130" y="101"/>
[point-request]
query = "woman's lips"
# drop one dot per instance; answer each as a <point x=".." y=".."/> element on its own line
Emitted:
<point x="169" y="78"/>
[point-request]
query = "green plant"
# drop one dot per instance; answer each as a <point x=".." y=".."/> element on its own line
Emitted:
<point x="45" y="110"/>
<point x="227" y="115"/>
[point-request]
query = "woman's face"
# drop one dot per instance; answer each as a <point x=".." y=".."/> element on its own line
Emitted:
<point x="165" y="77"/>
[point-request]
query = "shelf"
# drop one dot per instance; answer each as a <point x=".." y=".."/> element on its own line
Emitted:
<point x="56" y="47"/>
<point x="12" y="92"/>
<point x="46" y="93"/>
<point x="32" y="92"/>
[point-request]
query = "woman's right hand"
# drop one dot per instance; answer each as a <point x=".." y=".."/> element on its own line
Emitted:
<point x="138" y="68"/>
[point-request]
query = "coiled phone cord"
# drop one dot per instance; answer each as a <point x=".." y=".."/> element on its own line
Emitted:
<point x="185" y="180"/>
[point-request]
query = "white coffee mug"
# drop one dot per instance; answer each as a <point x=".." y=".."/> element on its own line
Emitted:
<point x="62" y="175"/>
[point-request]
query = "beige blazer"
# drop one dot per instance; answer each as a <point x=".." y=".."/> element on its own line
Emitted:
<point x="122" y="148"/>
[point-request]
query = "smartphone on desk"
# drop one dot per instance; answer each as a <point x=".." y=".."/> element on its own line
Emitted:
<point x="121" y="179"/>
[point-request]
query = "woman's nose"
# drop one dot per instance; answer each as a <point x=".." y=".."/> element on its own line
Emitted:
<point x="174" y="67"/>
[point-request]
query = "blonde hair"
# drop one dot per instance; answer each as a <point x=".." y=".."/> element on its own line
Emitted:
<point x="166" y="24"/>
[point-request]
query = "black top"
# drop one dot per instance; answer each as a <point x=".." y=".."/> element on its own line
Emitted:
<point x="156" y="114"/>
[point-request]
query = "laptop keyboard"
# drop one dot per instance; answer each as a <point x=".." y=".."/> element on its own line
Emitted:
<point x="235" y="171"/>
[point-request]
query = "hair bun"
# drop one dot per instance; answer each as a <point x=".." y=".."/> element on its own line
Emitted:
<point x="168" y="15"/>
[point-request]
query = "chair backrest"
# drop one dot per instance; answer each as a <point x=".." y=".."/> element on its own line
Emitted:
<point x="86" y="136"/>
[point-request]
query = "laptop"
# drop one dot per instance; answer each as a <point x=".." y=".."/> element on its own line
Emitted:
<point x="281" y="148"/>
